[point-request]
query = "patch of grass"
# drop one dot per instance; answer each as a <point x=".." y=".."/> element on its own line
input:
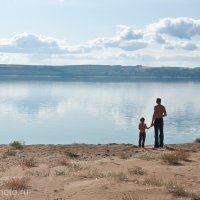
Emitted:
<point x="132" y="197"/>
<point x="119" y="177"/>
<point x="9" y="152"/>
<point x="124" y="156"/>
<point x="154" y="181"/>
<point x="60" y="172"/>
<point x="104" y="187"/>
<point x="175" y="157"/>
<point x="63" y="162"/>
<point x="177" y="189"/>
<point x="182" y="155"/>
<point x="17" y="183"/>
<point x="11" y="197"/>
<point x="73" y="167"/>
<point x="39" y="173"/>
<point x="17" y="145"/>
<point x="170" y="158"/>
<point x="29" y="162"/>
<point x="136" y="171"/>
<point x="92" y="173"/>
<point x="147" y="156"/>
<point x="195" y="196"/>
<point x="72" y="154"/>
<point x="197" y="140"/>
<point x="3" y="168"/>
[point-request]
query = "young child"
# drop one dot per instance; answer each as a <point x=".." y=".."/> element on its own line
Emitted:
<point x="142" y="133"/>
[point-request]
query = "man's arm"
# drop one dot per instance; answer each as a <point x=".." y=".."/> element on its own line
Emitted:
<point x="164" y="112"/>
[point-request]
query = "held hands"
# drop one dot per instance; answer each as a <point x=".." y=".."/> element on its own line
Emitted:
<point x="150" y="126"/>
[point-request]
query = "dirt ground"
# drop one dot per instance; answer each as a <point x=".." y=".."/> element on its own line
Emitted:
<point x="99" y="172"/>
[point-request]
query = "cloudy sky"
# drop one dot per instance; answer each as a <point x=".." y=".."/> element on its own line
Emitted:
<point x="124" y="32"/>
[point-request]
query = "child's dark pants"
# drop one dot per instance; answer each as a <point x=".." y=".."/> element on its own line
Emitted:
<point x="142" y="137"/>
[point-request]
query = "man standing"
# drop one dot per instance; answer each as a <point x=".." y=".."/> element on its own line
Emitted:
<point x="157" y="122"/>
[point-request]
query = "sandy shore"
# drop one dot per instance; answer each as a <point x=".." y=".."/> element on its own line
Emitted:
<point x="100" y="172"/>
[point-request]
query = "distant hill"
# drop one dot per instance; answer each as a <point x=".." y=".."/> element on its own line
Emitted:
<point x="95" y="71"/>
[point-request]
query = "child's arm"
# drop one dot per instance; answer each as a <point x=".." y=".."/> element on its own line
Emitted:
<point x="149" y="126"/>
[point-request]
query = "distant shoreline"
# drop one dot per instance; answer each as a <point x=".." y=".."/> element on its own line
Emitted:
<point x="97" y="72"/>
<point x="96" y="78"/>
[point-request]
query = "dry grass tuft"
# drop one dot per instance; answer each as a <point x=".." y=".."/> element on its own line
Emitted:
<point x="92" y="173"/>
<point x="11" y="197"/>
<point x="39" y="173"/>
<point x="177" y="189"/>
<point x="9" y="152"/>
<point x="175" y="157"/>
<point x="119" y="177"/>
<point x="29" y="162"/>
<point x="73" y="167"/>
<point x="136" y="171"/>
<point x="182" y="155"/>
<point x="195" y="196"/>
<point x="60" y="172"/>
<point x="132" y="197"/>
<point x="153" y="181"/>
<point x="17" y="183"/>
<point x="124" y="156"/>
<point x="147" y="156"/>
<point x="63" y="162"/>
<point x="170" y="158"/>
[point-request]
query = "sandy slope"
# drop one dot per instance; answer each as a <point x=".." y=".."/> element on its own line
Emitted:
<point x="98" y="172"/>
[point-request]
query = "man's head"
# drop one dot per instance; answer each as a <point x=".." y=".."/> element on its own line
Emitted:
<point x="158" y="100"/>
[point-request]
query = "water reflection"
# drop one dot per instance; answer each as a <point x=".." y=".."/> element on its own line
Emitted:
<point x="64" y="112"/>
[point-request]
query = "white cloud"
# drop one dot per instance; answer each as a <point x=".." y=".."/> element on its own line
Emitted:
<point x="185" y="45"/>
<point x="126" y="39"/>
<point x="159" y="38"/>
<point x="189" y="46"/>
<point x="176" y="33"/>
<point x="29" y="43"/>
<point x="182" y="27"/>
<point x="168" y="36"/>
<point x="132" y="45"/>
<point x="127" y="33"/>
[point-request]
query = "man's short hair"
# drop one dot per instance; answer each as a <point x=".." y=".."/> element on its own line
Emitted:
<point x="158" y="100"/>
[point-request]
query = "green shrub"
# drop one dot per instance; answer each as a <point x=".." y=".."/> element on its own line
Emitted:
<point x="17" y="145"/>
<point x="197" y="140"/>
<point x="72" y="154"/>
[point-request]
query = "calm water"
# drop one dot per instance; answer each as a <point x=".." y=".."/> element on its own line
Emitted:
<point x="90" y="112"/>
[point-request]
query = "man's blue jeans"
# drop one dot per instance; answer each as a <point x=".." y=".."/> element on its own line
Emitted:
<point x="159" y="135"/>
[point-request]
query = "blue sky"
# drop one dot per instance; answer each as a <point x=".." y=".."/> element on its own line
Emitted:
<point x="126" y="32"/>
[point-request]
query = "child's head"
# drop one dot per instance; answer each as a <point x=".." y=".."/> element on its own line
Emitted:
<point x="142" y="119"/>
